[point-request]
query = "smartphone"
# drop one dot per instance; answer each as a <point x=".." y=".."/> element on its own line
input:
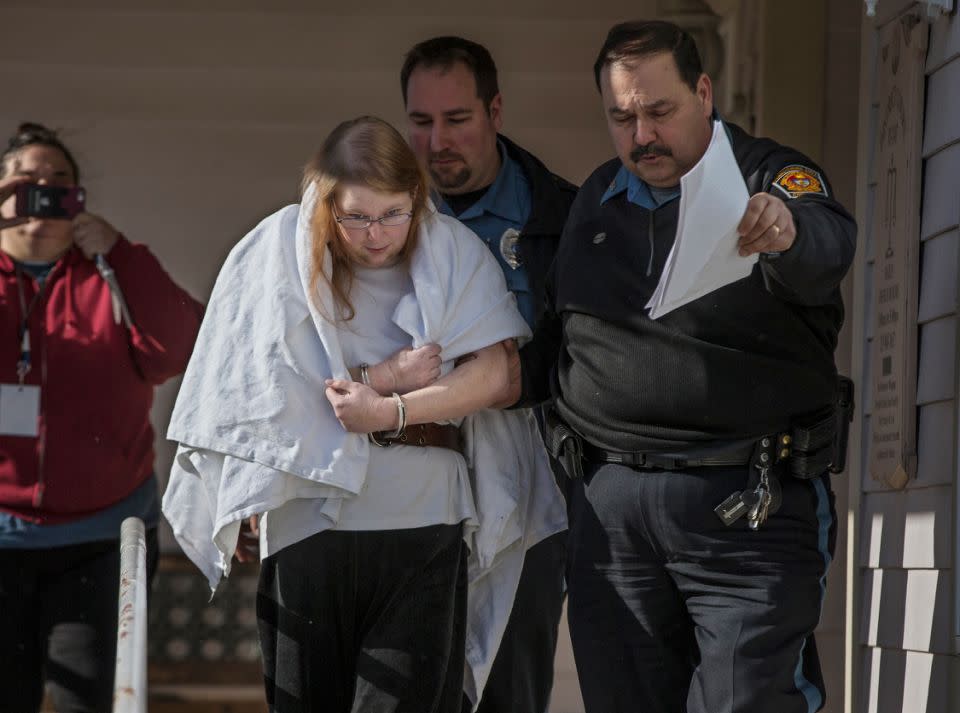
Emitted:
<point x="36" y="201"/>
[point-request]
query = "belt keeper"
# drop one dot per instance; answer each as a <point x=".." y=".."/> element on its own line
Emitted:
<point x="765" y="451"/>
<point x="783" y="442"/>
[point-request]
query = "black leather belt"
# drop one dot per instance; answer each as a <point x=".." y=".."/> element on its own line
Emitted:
<point x="739" y="455"/>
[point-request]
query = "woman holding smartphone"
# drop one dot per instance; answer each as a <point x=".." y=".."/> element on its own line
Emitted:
<point x="77" y="375"/>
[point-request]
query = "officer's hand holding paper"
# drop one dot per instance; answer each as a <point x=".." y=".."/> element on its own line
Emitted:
<point x="704" y="257"/>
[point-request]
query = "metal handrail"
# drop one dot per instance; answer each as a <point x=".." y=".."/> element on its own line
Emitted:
<point x="130" y="681"/>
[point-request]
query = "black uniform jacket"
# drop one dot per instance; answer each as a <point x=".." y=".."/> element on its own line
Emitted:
<point x="741" y="361"/>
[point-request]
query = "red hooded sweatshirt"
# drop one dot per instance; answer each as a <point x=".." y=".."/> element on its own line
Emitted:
<point x="96" y="378"/>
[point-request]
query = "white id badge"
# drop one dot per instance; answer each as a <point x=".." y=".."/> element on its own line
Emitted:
<point x="19" y="410"/>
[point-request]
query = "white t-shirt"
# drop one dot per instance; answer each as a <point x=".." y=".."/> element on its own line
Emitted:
<point x="406" y="486"/>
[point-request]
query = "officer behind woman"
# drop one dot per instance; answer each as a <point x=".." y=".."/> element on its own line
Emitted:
<point x="517" y="207"/>
<point x="694" y="427"/>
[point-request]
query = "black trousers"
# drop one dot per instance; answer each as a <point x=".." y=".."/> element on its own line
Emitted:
<point x="58" y="622"/>
<point x="365" y="621"/>
<point x="522" y="674"/>
<point x="672" y="612"/>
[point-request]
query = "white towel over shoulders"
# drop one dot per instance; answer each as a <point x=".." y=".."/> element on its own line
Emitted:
<point x="254" y="429"/>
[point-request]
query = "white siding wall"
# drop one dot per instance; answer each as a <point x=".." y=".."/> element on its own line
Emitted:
<point x="907" y="539"/>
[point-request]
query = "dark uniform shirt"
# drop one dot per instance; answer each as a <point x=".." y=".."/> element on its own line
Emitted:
<point x="739" y="362"/>
<point x="503" y="205"/>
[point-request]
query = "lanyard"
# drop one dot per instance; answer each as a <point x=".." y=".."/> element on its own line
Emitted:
<point x="23" y="364"/>
<point x="120" y="310"/>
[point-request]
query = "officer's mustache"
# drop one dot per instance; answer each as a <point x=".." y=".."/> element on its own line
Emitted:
<point x="649" y="150"/>
<point x="445" y="156"/>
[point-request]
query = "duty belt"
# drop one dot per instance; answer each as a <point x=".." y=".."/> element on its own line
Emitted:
<point x="669" y="461"/>
<point x="811" y="446"/>
<point x="805" y="450"/>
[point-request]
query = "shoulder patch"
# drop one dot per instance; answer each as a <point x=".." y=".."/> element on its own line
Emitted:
<point x="798" y="180"/>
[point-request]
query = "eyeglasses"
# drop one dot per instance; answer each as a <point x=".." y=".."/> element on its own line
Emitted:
<point x="362" y="222"/>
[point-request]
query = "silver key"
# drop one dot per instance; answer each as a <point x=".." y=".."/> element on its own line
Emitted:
<point x="758" y="513"/>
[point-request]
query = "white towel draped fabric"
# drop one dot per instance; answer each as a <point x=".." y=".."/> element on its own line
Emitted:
<point x="256" y="431"/>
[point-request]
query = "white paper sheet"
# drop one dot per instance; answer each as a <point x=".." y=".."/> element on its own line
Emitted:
<point x="713" y="199"/>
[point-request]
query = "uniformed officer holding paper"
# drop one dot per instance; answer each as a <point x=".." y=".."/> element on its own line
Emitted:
<point x="702" y="520"/>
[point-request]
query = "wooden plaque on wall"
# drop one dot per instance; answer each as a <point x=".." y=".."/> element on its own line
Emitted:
<point x="896" y="250"/>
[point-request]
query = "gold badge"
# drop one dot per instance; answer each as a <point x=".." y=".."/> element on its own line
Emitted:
<point x="795" y="181"/>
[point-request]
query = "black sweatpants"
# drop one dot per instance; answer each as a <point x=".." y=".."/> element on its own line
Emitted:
<point x="365" y="621"/>
<point x="58" y="622"/>
<point x="672" y="612"/>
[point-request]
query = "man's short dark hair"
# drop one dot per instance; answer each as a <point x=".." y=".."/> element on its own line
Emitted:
<point x="444" y="52"/>
<point x="642" y="38"/>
